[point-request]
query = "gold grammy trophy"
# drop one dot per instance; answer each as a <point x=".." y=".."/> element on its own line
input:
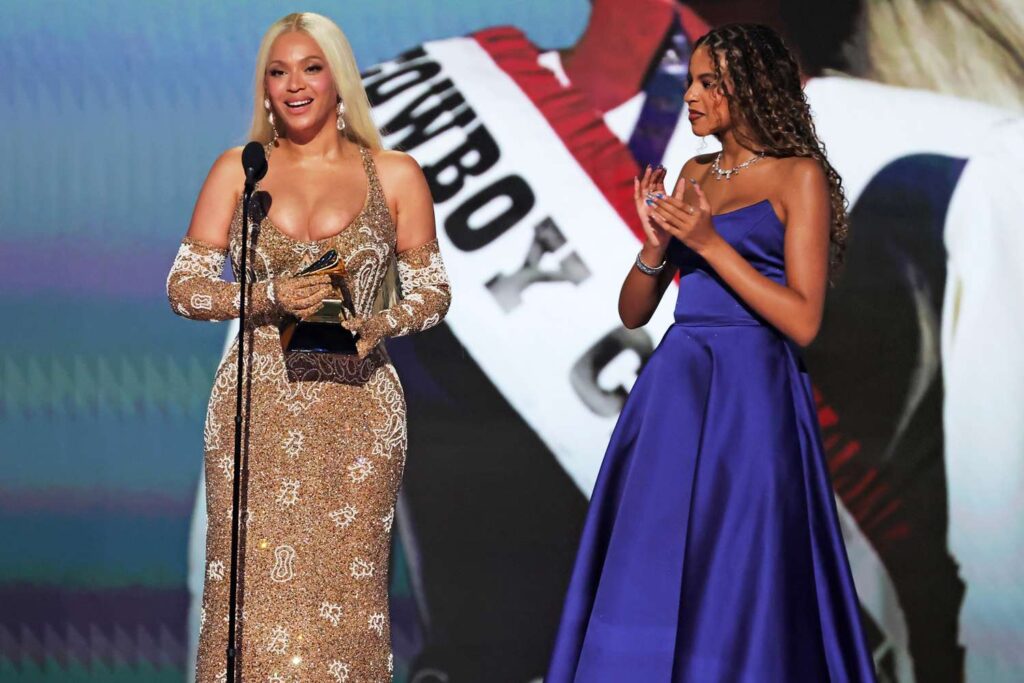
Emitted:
<point x="322" y="332"/>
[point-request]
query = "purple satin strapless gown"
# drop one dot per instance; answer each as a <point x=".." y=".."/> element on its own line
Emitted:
<point x="712" y="551"/>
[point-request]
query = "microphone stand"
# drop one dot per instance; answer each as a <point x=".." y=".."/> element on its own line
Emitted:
<point x="237" y="479"/>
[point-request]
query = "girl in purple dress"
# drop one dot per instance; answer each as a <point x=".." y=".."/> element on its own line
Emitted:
<point x="712" y="550"/>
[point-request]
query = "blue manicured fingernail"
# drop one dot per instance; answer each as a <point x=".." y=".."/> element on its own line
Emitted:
<point x="659" y="195"/>
<point x="649" y="202"/>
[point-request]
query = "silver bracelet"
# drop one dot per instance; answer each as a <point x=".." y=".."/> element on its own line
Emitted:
<point x="646" y="269"/>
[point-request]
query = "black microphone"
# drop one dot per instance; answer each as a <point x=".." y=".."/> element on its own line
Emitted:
<point x="254" y="161"/>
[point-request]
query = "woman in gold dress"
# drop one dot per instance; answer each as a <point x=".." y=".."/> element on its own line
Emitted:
<point x="324" y="436"/>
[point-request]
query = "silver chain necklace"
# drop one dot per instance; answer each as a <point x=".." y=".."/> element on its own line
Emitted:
<point x="730" y="172"/>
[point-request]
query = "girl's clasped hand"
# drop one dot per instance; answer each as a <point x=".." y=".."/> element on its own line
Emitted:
<point x="671" y="215"/>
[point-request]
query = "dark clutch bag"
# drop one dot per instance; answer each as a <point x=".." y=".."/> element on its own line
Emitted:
<point x="322" y="331"/>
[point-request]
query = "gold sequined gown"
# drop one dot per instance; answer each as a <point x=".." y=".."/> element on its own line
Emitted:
<point x="324" y="450"/>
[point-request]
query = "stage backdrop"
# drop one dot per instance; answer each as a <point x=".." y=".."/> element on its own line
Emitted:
<point x="115" y="110"/>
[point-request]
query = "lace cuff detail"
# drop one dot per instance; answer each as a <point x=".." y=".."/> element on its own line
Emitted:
<point x="196" y="290"/>
<point x="426" y="296"/>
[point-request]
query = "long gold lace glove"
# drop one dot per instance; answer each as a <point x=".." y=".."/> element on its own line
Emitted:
<point x="426" y="295"/>
<point x="195" y="288"/>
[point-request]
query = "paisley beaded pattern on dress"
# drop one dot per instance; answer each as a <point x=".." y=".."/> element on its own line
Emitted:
<point x="323" y="456"/>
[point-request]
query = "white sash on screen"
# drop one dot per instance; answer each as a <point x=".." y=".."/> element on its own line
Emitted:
<point x="529" y="340"/>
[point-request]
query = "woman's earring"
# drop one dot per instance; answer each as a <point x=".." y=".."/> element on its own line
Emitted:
<point x="270" y="117"/>
<point x="341" y="116"/>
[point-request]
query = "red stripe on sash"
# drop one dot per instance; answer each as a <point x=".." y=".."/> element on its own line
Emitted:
<point x="693" y="26"/>
<point x="580" y="126"/>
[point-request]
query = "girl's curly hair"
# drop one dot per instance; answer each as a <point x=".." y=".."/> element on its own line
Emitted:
<point x="766" y="96"/>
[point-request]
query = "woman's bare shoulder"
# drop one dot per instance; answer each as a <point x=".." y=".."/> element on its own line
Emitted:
<point x="226" y="171"/>
<point x="399" y="173"/>
<point x="211" y="217"/>
<point x="800" y="185"/>
<point x="797" y="175"/>
<point x="229" y="160"/>
<point x="395" y="163"/>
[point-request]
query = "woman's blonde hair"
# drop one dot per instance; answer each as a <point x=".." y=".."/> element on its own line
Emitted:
<point x="342" y="63"/>
<point x="972" y="49"/>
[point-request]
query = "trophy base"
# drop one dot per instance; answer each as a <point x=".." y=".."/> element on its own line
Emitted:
<point x="318" y="337"/>
<point x="321" y="332"/>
